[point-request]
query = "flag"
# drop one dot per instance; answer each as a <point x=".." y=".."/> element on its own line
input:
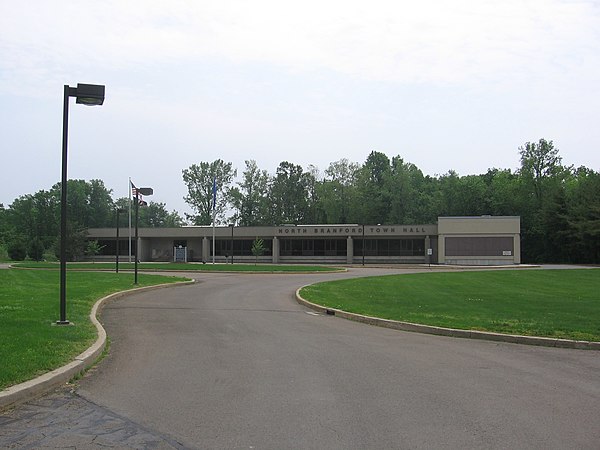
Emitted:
<point x="214" y="192"/>
<point x="135" y="193"/>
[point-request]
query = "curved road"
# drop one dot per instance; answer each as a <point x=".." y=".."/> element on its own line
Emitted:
<point x="235" y="362"/>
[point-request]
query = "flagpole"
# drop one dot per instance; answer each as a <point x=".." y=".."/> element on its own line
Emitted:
<point x="214" y="193"/>
<point x="129" y="190"/>
<point x="213" y="242"/>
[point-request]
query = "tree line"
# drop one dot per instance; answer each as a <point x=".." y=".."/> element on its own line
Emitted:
<point x="559" y="205"/>
<point x="30" y="226"/>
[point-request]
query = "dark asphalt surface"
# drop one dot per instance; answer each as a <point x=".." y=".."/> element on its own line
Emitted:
<point x="235" y="362"/>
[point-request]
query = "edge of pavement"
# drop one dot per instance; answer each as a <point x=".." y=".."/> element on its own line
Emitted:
<point x="452" y="332"/>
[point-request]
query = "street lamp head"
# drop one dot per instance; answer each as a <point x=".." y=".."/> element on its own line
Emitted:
<point x="89" y="94"/>
<point x="145" y="191"/>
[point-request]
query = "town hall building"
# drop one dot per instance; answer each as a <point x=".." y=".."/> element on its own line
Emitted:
<point x="482" y="240"/>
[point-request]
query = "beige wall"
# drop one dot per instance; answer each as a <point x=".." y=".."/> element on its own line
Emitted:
<point x="480" y="227"/>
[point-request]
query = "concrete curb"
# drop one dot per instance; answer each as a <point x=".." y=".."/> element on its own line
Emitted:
<point x="22" y="392"/>
<point x="452" y="332"/>
<point x="336" y="269"/>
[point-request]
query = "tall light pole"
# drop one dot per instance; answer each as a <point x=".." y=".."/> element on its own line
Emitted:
<point x="85" y="94"/>
<point x="138" y="191"/>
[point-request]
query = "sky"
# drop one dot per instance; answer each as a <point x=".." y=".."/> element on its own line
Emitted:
<point x="446" y="85"/>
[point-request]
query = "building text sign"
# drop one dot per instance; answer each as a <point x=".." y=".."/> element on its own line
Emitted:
<point x="368" y="230"/>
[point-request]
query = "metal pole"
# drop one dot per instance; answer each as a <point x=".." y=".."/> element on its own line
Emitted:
<point x="213" y="242"/>
<point x="137" y="208"/>
<point x="231" y="244"/>
<point x="129" y="197"/>
<point x="63" y="213"/>
<point x="117" y="249"/>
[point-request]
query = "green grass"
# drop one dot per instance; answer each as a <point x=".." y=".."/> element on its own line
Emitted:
<point x="160" y="267"/>
<point x="29" y="304"/>
<point x="552" y="303"/>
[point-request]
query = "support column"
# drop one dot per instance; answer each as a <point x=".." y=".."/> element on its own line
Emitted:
<point x="427" y="247"/>
<point x="517" y="249"/>
<point x="205" y="249"/>
<point x="349" y="250"/>
<point x="140" y="248"/>
<point x="275" y="250"/>
<point x="442" y="249"/>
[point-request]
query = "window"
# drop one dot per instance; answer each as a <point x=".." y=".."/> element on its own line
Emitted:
<point x="390" y="247"/>
<point x="313" y="247"/>
<point x="478" y="246"/>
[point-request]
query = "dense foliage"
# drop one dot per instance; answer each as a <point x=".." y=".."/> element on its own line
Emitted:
<point x="31" y="224"/>
<point x="559" y="205"/>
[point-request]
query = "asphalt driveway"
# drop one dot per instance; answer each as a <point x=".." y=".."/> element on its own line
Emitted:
<point x="235" y="362"/>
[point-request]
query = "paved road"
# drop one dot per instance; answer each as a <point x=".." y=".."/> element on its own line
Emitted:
<point x="235" y="362"/>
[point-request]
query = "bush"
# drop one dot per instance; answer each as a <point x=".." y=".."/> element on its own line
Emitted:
<point x="36" y="249"/>
<point x="49" y="255"/>
<point x="76" y="241"/>
<point x="3" y="253"/>
<point x="17" y="250"/>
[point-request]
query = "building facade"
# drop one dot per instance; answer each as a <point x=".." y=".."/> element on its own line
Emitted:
<point x="484" y="240"/>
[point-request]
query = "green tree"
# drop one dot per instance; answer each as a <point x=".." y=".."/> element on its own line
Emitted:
<point x="17" y="249"/>
<point x="155" y="215"/>
<point x="258" y="248"/>
<point x="289" y="194"/>
<point x="541" y="178"/>
<point x="336" y="191"/>
<point x="198" y="179"/>
<point x="101" y="212"/>
<point x="89" y="204"/>
<point x="314" y="212"/>
<point x="76" y="243"/>
<point x="503" y="192"/>
<point x="372" y="202"/>
<point x="36" y="249"/>
<point x="249" y="199"/>
<point x="92" y="249"/>
<point x="36" y="215"/>
<point x="583" y="215"/>
<point x="539" y="162"/>
<point x="4" y="226"/>
<point x="406" y="185"/>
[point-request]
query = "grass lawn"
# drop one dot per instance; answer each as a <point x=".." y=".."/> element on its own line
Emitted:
<point x="29" y="304"/>
<point x="160" y="267"/>
<point x="552" y="303"/>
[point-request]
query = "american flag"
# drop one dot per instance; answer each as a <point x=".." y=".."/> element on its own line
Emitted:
<point x="134" y="192"/>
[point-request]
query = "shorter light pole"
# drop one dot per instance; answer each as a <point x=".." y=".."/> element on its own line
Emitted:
<point x="138" y="191"/>
<point x="231" y="225"/>
<point x="117" y="212"/>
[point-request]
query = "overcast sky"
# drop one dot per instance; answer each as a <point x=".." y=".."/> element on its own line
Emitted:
<point x="444" y="84"/>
